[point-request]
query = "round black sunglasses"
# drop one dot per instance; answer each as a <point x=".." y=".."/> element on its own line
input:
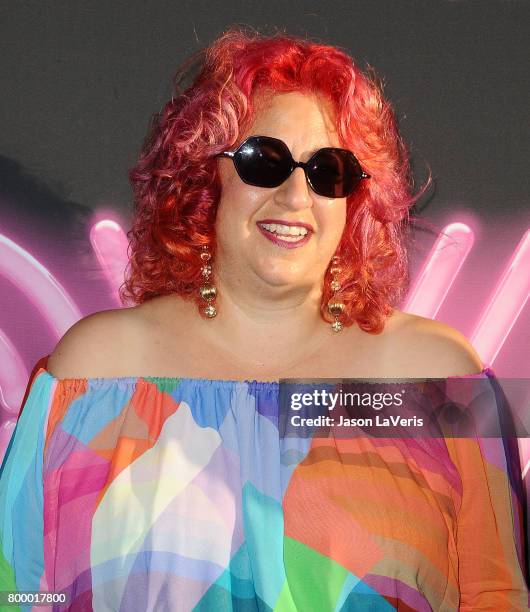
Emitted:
<point x="264" y="161"/>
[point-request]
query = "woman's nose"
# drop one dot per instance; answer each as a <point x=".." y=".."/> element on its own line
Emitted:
<point x="295" y="191"/>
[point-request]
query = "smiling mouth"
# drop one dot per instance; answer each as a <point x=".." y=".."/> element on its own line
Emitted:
<point x="288" y="236"/>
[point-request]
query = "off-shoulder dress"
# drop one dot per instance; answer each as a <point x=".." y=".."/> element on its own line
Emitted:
<point x="145" y="493"/>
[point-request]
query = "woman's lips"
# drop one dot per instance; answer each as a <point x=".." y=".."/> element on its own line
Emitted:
<point x="285" y="243"/>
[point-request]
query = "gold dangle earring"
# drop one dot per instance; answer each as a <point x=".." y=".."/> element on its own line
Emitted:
<point x="335" y="306"/>
<point x="208" y="291"/>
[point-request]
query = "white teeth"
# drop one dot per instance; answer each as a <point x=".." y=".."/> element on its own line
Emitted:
<point x="285" y="230"/>
<point x="289" y="238"/>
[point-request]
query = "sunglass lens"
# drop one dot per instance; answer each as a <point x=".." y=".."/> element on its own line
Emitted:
<point x="334" y="173"/>
<point x="263" y="161"/>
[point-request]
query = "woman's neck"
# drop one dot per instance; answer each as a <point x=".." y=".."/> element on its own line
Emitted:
<point x="280" y="328"/>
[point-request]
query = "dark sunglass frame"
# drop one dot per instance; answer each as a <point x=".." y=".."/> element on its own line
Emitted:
<point x="238" y="158"/>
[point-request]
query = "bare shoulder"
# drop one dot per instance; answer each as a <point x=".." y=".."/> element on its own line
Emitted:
<point x="96" y="345"/>
<point x="91" y="345"/>
<point x="120" y="342"/>
<point x="434" y="348"/>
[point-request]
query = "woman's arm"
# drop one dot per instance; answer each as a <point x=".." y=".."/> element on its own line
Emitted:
<point x="490" y="532"/>
<point x="21" y="495"/>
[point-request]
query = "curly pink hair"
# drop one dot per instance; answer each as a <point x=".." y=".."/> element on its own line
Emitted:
<point x="177" y="188"/>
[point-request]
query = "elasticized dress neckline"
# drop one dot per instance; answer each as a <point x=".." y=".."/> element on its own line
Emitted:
<point x="168" y="380"/>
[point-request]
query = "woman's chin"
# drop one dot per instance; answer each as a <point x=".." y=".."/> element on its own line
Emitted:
<point x="289" y="279"/>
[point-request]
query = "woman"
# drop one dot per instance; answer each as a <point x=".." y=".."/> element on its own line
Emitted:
<point x="272" y="196"/>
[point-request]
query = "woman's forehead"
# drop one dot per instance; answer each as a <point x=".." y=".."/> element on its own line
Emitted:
<point x="293" y="113"/>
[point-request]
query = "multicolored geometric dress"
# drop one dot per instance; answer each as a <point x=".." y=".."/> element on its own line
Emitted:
<point x="177" y="494"/>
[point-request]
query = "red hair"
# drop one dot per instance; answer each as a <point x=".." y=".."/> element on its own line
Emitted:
<point x="177" y="188"/>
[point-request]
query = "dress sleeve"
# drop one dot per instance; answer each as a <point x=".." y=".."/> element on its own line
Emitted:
<point x="21" y="493"/>
<point x="490" y="532"/>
